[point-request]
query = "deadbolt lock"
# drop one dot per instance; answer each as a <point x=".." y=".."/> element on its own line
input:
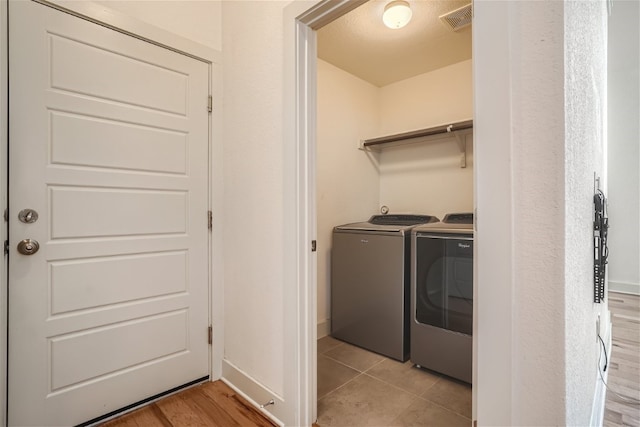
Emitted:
<point x="28" y="216"/>
<point x="28" y="247"/>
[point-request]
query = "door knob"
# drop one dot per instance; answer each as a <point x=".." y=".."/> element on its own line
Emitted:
<point x="28" y="247"/>
<point x="28" y="216"/>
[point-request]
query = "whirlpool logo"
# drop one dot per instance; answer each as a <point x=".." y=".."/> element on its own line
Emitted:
<point x="464" y="245"/>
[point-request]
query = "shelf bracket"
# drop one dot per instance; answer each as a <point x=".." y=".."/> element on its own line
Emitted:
<point x="462" y="145"/>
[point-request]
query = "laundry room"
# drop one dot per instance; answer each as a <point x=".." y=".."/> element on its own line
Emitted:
<point x="394" y="129"/>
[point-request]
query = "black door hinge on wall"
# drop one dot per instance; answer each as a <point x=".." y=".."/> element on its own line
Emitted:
<point x="210" y="334"/>
<point x="210" y="220"/>
<point x="6" y="247"/>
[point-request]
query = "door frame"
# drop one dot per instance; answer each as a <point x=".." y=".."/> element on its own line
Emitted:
<point x="299" y="115"/>
<point x="133" y="27"/>
<point x="300" y="57"/>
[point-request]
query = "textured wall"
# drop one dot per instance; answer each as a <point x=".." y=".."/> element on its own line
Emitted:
<point x="540" y="105"/>
<point x="537" y="83"/>
<point x="624" y="146"/>
<point x="426" y="177"/>
<point x="254" y="181"/>
<point x="441" y="96"/>
<point x="197" y="20"/>
<point x="347" y="178"/>
<point x="585" y="153"/>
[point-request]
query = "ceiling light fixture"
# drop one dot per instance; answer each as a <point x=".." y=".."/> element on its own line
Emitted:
<point x="397" y="14"/>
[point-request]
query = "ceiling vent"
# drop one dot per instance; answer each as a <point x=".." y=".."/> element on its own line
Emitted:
<point x="459" y="18"/>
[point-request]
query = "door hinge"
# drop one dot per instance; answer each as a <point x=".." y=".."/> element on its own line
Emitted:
<point x="210" y="334"/>
<point x="6" y="247"/>
<point x="313" y="245"/>
<point x="210" y="104"/>
<point x="6" y="215"/>
<point x="210" y="220"/>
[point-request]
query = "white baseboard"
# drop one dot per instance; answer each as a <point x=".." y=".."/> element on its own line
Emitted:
<point x="324" y="328"/>
<point x="253" y="391"/>
<point x="624" y="287"/>
<point x="600" y="395"/>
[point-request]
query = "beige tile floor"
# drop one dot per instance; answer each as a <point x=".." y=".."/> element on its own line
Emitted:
<point x="360" y="388"/>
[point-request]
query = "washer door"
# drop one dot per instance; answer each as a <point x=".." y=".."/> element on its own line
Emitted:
<point x="444" y="282"/>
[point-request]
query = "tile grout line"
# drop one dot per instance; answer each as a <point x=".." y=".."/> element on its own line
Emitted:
<point x="341" y="386"/>
<point x="392" y="385"/>
<point x="366" y="372"/>
<point x="444" y="407"/>
<point x="352" y="367"/>
<point x="332" y="348"/>
<point x="415" y="396"/>
<point x="374" y="365"/>
<point x="343" y="364"/>
<point x="419" y="397"/>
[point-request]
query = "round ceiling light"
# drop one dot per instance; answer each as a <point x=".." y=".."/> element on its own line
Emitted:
<point x="397" y="14"/>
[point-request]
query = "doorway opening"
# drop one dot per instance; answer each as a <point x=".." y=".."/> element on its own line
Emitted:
<point x="371" y="82"/>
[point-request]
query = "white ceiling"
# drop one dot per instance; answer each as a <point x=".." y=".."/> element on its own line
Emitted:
<point x="362" y="45"/>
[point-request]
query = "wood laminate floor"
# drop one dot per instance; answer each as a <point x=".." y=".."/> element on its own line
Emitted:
<point x="624" y="366"/>
<point x="212" y="404"/>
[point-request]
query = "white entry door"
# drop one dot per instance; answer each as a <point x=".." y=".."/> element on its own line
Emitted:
<point x="109" y="145"/>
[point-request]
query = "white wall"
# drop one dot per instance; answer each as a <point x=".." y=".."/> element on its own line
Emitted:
<point x="538" y="210"/>
<point x="439" y="97"/>
<point x="347" y="178"/>
<point x="535" y="340"/>
<point x="427" y="177"/>
<point x="624" y="147"/>
<point x="585" y="94"/>
<point x="254" y="180"/>
<point x="197" y="20"/>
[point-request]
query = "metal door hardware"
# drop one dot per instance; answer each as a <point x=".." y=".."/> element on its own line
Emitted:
<point x="28" y="216"/>
<point x="28" y="247"/>
<point x="270" y="402"/>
